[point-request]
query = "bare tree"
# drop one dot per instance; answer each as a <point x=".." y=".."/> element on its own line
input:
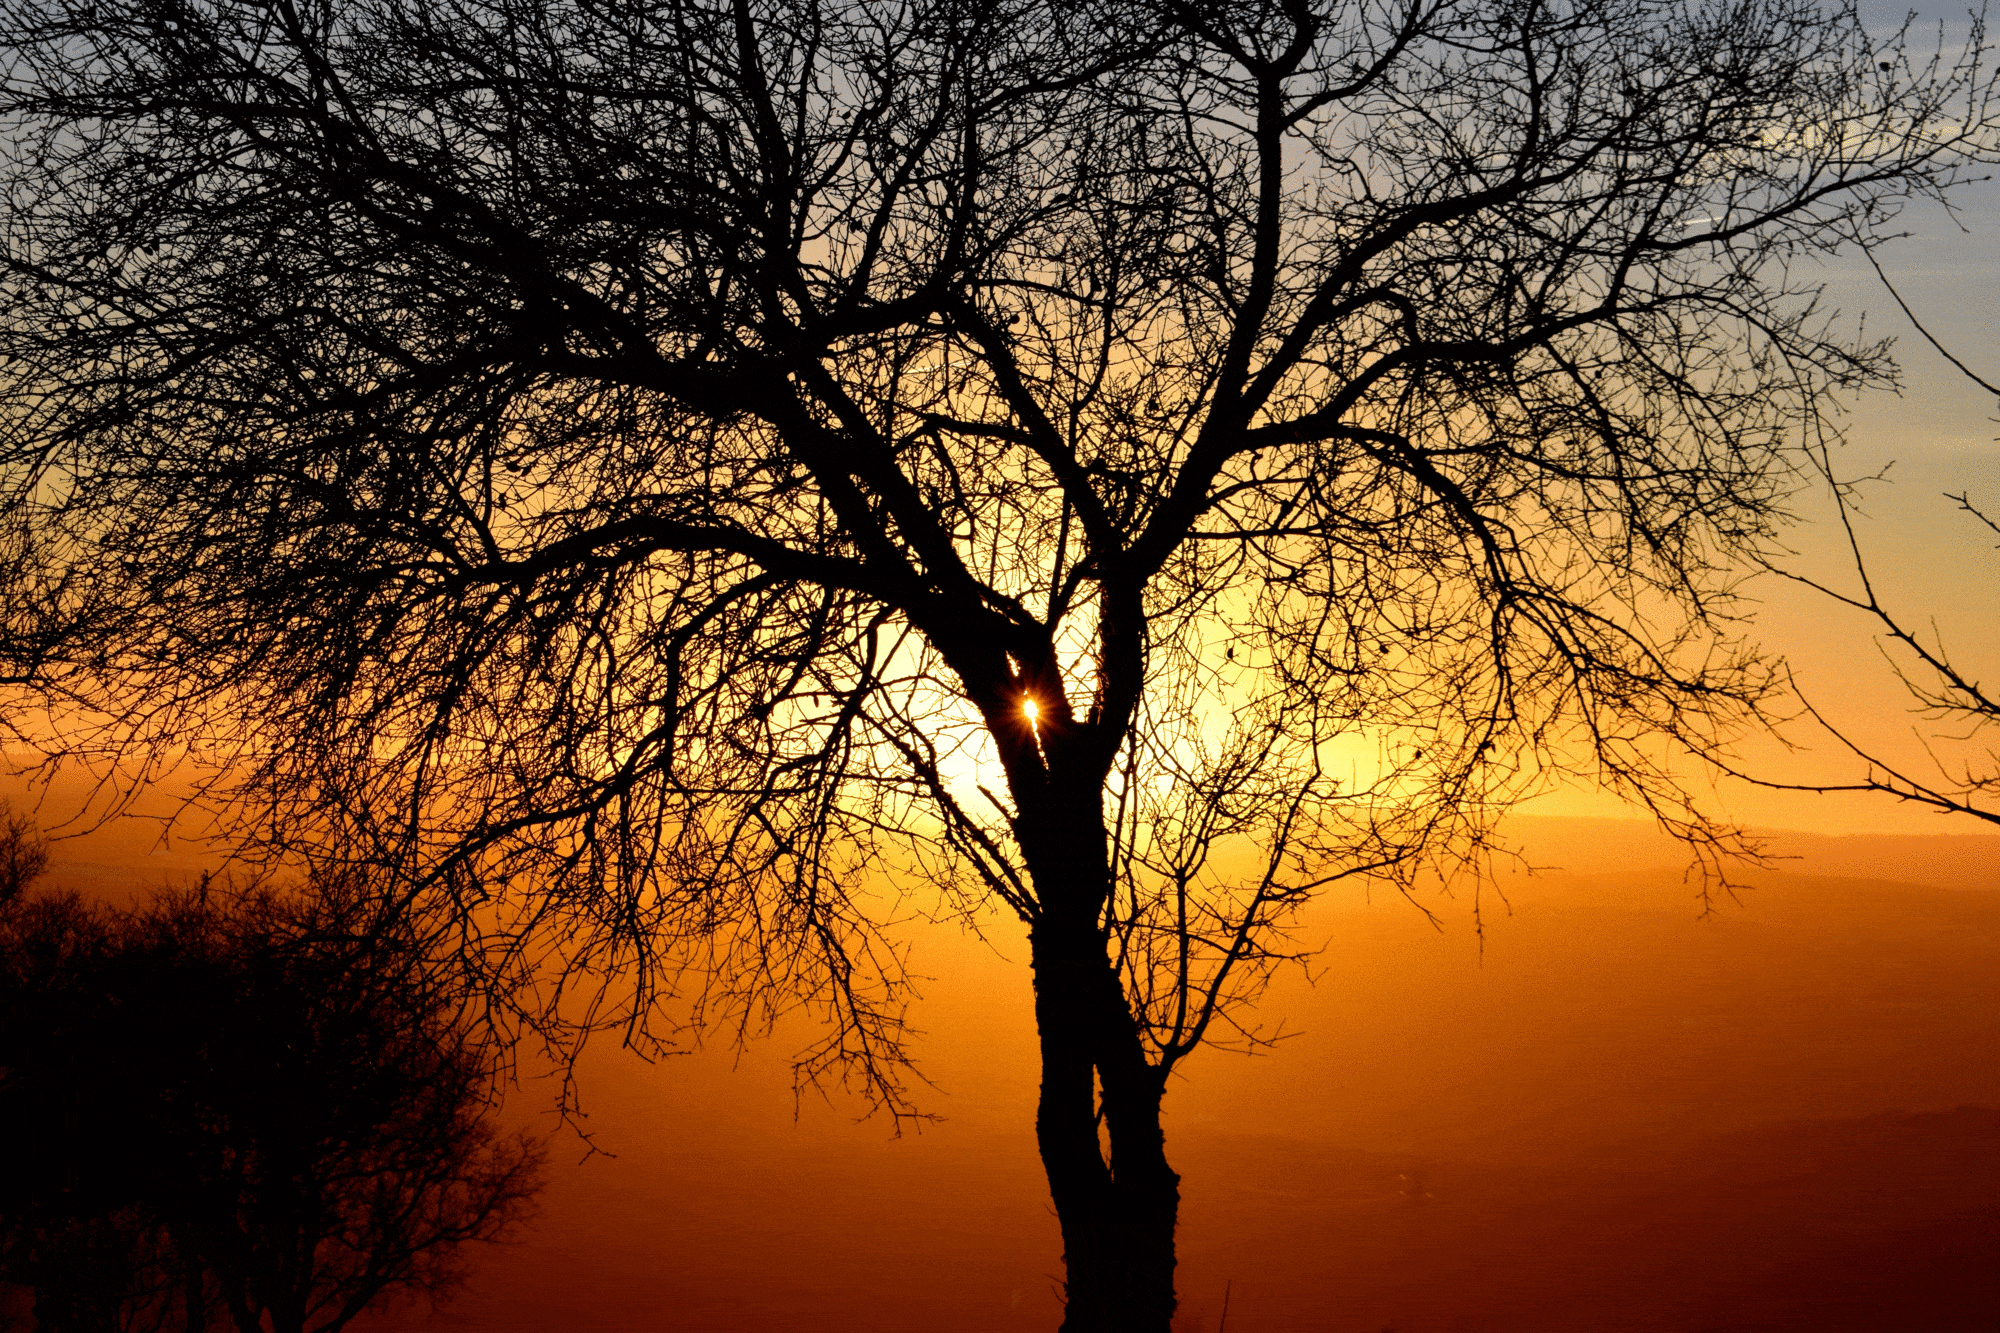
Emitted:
<point x="239" y="1105"/>
<point x="718" y="468"/>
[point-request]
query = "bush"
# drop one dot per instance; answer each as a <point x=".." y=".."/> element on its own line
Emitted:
<point x="243" y="1102"/>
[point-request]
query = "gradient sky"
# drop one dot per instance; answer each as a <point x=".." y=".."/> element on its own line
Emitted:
<point x="1609" y="1115"/>
<point x="1930" y="562"/>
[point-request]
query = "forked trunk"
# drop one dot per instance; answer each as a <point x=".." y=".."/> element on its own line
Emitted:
<point x="1117" y="1215"/>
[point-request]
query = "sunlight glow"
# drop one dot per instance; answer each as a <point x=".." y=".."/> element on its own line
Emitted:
<point x="1030" y="710"/>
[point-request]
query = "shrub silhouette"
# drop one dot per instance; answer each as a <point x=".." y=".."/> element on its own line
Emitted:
<point x="239" y="1102"/>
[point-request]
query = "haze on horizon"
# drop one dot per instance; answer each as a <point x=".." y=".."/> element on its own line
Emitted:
<point x="1596" y="1108"/>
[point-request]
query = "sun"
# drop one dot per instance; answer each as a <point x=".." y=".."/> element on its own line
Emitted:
<point x="1030" y="709"/>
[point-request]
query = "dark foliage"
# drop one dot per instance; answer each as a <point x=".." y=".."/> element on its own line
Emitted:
<point x="244" y="1107"/>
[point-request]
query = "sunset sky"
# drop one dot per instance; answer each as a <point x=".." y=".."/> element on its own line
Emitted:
<point x="1931" y="562"/>
<point x="1617" y="1115"/>
<point x="1584" y="1099"/>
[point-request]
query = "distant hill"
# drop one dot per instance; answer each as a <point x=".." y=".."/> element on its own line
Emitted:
<point x="1954" y="860"/>
<point x="1607" y="1113"/>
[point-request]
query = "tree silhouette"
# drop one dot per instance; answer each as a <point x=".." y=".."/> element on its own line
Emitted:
<point x="240" y="1105"/>
<point x="716" y="468"/>
<point x="73" y="1226"/>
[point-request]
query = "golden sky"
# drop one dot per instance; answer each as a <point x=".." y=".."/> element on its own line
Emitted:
<point x="1935" y="566"/>
<point x="1614" y="1115"/>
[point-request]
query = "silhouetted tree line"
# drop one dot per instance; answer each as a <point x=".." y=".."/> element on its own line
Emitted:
<point x="235" y="1106"/>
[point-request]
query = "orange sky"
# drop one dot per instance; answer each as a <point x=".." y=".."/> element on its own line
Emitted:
<point x="1621" y="1118"/>
<point x="1785" y="1116"/>
<point x="1613" y="1114"/>
<point x="1935" y="566"/>
<point x="1931" y="563"/>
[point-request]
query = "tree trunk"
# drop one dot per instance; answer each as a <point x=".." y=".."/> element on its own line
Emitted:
<point x="1117" y="1216"/>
